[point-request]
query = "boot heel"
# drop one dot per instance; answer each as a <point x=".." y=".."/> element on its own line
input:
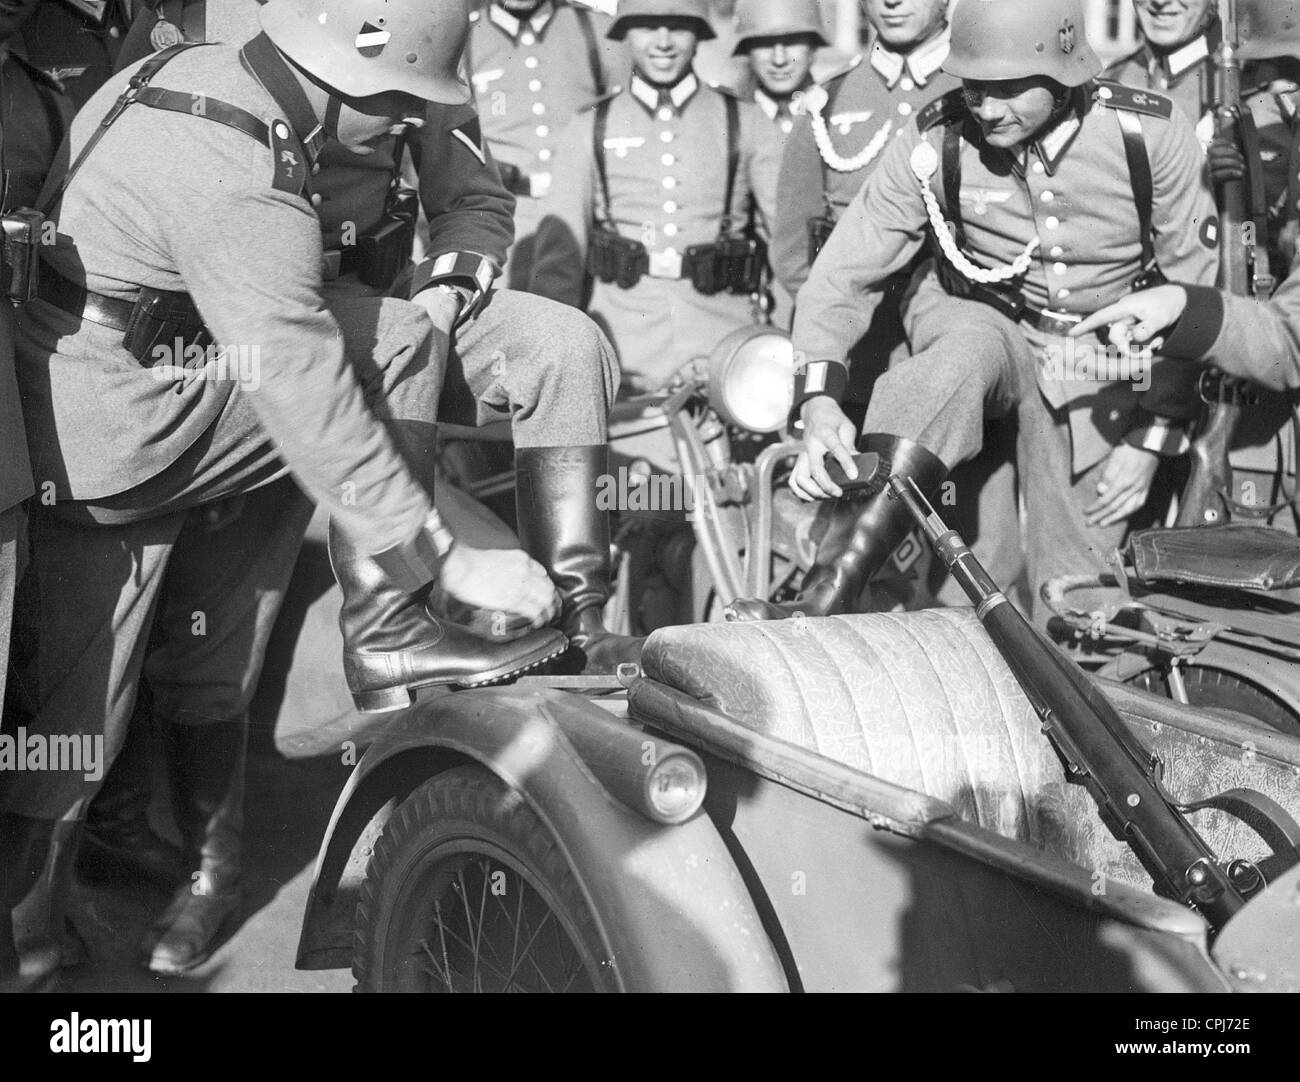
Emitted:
<point x="383" y="702"/>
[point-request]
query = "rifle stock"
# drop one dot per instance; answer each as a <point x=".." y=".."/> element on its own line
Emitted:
<point x="1209" y="483"/>
<point x="1099" y="749"/>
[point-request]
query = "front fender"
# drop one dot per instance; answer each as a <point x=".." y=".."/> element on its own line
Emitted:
<point x="671" y="906"/>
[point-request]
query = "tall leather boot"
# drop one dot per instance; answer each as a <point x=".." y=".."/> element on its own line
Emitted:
<point x="26" y="849"/>
<point x="862" y="535"/>
<point x="207" y="771"/>
<point x="393" y="645"/>
<point x="561" y="528"/>
<point x="119" y="843"/>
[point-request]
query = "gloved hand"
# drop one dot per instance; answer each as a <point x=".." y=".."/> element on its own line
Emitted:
<point x="1227" y="163"/>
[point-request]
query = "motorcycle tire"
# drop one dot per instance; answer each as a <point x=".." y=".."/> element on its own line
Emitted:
<point x="467" y="891"/>
<point x="1218" y="689"/>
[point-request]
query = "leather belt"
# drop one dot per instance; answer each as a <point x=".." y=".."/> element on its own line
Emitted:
<point x="518" y="182"/>
<point x="111" y="312"/>
<point x="1018" y="310"/>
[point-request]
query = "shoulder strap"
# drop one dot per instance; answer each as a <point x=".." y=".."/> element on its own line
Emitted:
<point x="139" y="81"/>
<point x="942" y="110"/>
<point x="952" y="136"/>
<point x="593" y="50"/>
<point x="733" y="157"/>
<point x="1139" y="171"/>
<point x="598" y="148"/>
<point x="1254" y="173"/>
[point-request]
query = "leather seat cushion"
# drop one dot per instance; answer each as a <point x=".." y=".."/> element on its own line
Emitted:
<point x="1241" y="557"/>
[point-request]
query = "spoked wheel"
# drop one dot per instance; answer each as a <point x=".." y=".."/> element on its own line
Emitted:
<point x="468" y="892"/>
<point x="1217" y="689"/>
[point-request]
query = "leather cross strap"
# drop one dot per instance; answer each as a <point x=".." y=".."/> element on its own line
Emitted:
<point x="593" y="50"/>
<point x="201" y="105"/>
<point x="598" y="146"/>
<point x="733" y="158"/>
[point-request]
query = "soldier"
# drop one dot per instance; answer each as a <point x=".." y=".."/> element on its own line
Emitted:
<point x="245" y="246"/>
<point x="1178" y="42"/>
<point x="77" y="42"/>
<point x="1066" y="164"/>
<point x="850" y="119"/>
<point x="661" y="192"/>
<point x="779" y="38"/>
<point x="534" y="65"/>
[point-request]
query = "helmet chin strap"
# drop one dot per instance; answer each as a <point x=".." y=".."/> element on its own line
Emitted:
<point x="331" y="120"/>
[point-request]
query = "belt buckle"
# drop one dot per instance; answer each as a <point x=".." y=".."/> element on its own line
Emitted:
<point x="331" y="265"/>
<point x="1059" y="322"/>
<point x="666" y="264"/>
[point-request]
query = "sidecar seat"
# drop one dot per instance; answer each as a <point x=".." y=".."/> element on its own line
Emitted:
<point x="924" y="700"/>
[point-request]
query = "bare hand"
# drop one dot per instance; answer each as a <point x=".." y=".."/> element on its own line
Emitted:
<point x="1124" y="486"/>
<point x="507" y="581"/>
<point x="826" y="431"/>
<point x="1137" y="318"/>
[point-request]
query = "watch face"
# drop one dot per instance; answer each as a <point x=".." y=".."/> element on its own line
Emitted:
<point x="165" y="34"/>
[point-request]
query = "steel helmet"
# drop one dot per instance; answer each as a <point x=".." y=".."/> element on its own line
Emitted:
<point x="1268" y="29"/>
<point x="641" y="11"/>
<point x="996" y="40"/>
<point x="364" y="47"/>
<point x="777" y="19"/>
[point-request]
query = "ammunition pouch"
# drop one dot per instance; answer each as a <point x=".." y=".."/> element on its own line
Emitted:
<point x="615" y="259"/>
<point x="1148" y="279"/>
<point x="384" y="250"/>
<point x="819" y="232"/>
<point x="161" y="317"/>
<point x="731" y="264"/>
<point x="20" y="254"/>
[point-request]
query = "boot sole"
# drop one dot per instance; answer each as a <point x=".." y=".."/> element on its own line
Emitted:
<point x="386" y="700"/>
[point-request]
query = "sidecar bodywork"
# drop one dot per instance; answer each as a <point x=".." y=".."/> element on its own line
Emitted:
<point x="882" y="814"/>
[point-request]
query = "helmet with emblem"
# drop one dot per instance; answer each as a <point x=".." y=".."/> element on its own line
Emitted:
<point x="998" y="40"/>
<point x="757" y="19"/>
<point x="1268" y="29"/>
<point x="692" y="13"/>
<point x="365" y="47"/>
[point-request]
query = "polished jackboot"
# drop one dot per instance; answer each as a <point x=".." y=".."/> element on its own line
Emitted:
<point x="118" y="843"/>
<point x="394" y="647"/>
<point x="36" y="871"/>
<point x="207" y="778"/>
<point x="863" y="534"/>
<point x="562" y="529"/>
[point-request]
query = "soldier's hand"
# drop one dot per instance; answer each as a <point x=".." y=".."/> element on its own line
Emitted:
<point x="443" y="306"/>
<point x="1227" y="163"/>
<point x="507" y="581"/>
<point x="827" y="431"/>
<point x="1137" y="319"/>
<point x="1124" y="486"/>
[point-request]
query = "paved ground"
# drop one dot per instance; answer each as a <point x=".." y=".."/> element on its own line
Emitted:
<point x="287" y="809"/>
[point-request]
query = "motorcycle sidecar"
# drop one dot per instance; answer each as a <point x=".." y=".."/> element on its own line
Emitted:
<point x="882" y="813"/>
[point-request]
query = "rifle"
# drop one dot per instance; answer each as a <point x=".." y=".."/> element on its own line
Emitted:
<point x="1207" y="495"/>
<point x="1097" y="748"/>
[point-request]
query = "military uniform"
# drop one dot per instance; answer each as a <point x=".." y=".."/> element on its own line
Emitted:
<point x="1072" y="195"/>
<point x="1186" y="75"/>
<point x="77" y="42"/>
<point x="835" y="144"/>
<point x="34" y="114"/>
<point x="665" y="154"/>
<point x="531" y="78"/>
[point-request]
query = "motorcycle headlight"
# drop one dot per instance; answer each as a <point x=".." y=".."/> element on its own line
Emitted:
<point x="751" y="379"/>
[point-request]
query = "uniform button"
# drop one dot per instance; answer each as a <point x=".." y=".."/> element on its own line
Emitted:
<point x="1057" y="251"/>
<point x="114" y="32"/>
<point x="670" y="207"/>
<point x="317" y="199"/>
<point x="528" y="39"/>
<point x="1061" y="294"/>
<point x="1047" y="197"/>
<point x="665" y="113"/>
<point x="670" y="230"/>
<point x="534" y="84"/>
<point x="670" y="182"/>
<point x="544" y="155"/>
<point x="668" y="159"/>
<point x="530" y="61"/>
<point x="907" y="84"/>
<point x="543" y="131"/>
<point x="315" y="169"/>
<point x="1039" y="168"/>
<point x="905" y="108"/>
<point x="1060" y="268"/>
<point x="539" y="108"/>
<point x="1053" y="223"/>
<point x="665" y="137"/>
